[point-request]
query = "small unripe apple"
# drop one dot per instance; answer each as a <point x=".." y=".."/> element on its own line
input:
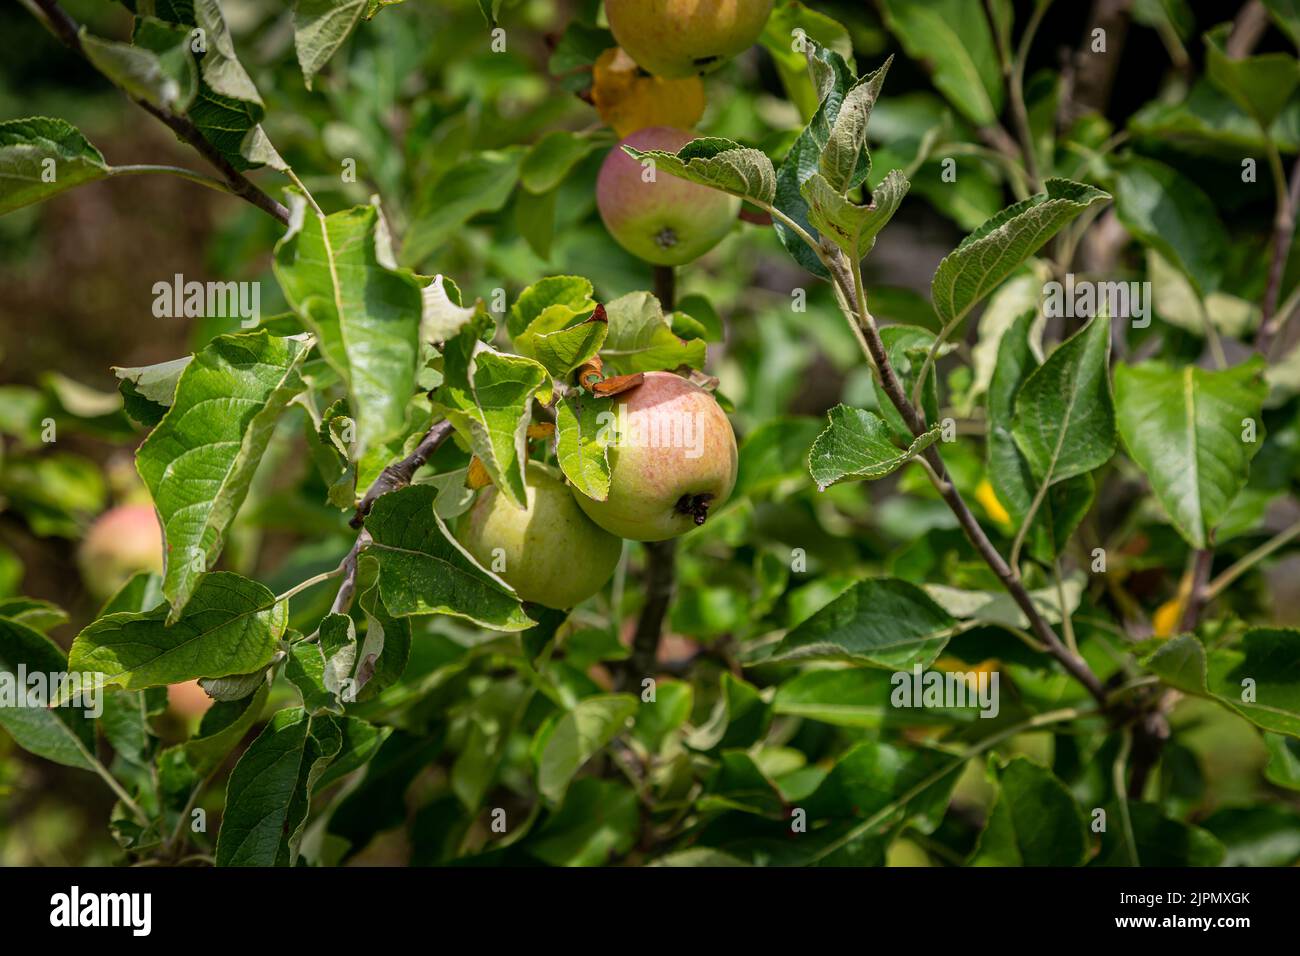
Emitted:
<point x="188" y="699"/>
<point x="655" y="216"/>
<point x="682" y="37"/>
<point x="121" y="542"/>
<point x="549" y="552"/>
<point x="674" y="459"/>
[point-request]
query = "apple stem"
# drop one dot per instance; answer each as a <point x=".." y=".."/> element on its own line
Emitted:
<point x="666" y="287"/>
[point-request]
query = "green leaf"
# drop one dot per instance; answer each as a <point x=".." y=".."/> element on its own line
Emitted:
<point x="1066" y="503"/>
<point x="423" y="570"/>
<point x="35" y="613"/>
<point x="221" y="730"/>
<point x="361" y="741"/>
<point x="230" y="626"/>
<point x="669" y="710"/>
<point x="1286" y="14"/>
<point x="143" y="592"/>
<point x="1160" y="841"/>
<point x="554" y="302"/>
<point x="157" y="383"/>
<point x="872" y="775"/>
<point x="1256" y="836"/>
<point x="227" y="108"/>
<point x="41" y="157"/>
<point x="1181" y="305"/>
<point x="641" y="340"/>
<point x="338" y="275"/>
<point x="270" y="790"/>
<point x="842" y="696"/>
<point x="907" y="347"/>
<point x="1183" y="427"/>
<point x="852" y="227"/>
<point x="775" y="452"/>
<point x="1258" y="678"/>
<point x="582" y="442"/>
<point x="1034" y="820"/>
<point x="550" y="160"/>
<point x="598" y="820"/>
<point x="845" y="153"/>
<point x="998" y="247"/>
<point x="535" y="220"/>
<point x="487" y="397"/>
<point x="158" y="68"/>
<point x="125" y="723"/>
<point x="1064" y="421"/>
<point x="1283" y="761"/>
<point x="385" y="650"/>
<point x="953" y="38"/>
<point x="856" y="446"/>
<point x="879" y="622"/>
<point x="740" y="717"/>
<point x="491" y="717"/>
<point x="562" y="348"/>
<point x="998" y="607"/>
<point x="322" y="669"/>
<point x="443" y="316"/>
<point x="321" y="26"/>
<point x="719" y="164"/>
<point x="791" y="64"/>
<point x="199" y="462"/>
<point x="834" y="80"/>
<point x="1260" y="85"/>
<point x="1163" y="209"/>
<point x="64" y="735"/>
<point x="574" y="738"/>
<point x="480" y="183"/>
<point x="739" y="784"/>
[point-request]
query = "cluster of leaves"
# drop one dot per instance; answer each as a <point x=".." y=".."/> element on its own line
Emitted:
<point x="435" y="701"/>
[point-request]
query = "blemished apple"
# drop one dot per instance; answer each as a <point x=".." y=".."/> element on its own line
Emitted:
<point x="549" y="552"/>
<point x="673" y="461"/>
<point x="660" y="218"/>
<point x="676" y="38"/>
<point x="121" y="542"/>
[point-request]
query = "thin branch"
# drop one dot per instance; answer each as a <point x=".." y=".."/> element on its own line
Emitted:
<point x="1121" y="794"/>
<point x="660" y="578"/>
<point x="195" y="177"/>
<point x="1283" y="231"/>
<point x="893" y="388"/>
<point x="1017" y="90"/>
<point x="399" y="473"/>
<point x="309" y="583"/>
<point x="68" y="31"/>
<point x="1202" y="562"/>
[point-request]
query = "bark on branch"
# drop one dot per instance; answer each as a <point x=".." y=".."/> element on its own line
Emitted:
<point x="67" y="30"/>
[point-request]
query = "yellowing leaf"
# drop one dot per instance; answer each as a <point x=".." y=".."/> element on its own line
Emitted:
<point x="628" y="99"/>
<point x="985" y="495"/>
<point x="1164" y="623"/>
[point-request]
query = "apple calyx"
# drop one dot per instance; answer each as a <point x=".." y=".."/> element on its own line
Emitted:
<point x="697" y="506"/>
